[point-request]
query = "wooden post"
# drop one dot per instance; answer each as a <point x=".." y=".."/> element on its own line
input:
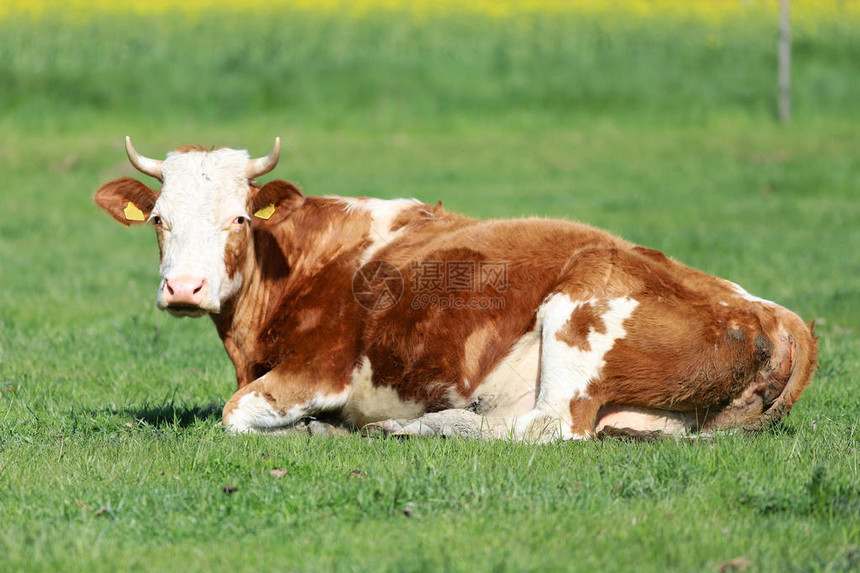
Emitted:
<point x="784" y="61"/>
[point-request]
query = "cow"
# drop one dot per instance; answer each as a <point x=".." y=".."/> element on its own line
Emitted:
<point x="404" y="318"/>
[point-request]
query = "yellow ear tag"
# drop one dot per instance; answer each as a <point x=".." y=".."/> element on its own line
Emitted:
<point x="266" y="212"/>
<point x="132" y="213"/>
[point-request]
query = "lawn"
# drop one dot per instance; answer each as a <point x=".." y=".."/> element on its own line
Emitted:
<point x="659" y="128"/>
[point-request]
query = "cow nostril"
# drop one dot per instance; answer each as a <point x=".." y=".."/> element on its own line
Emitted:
<point x="185" y="290"/>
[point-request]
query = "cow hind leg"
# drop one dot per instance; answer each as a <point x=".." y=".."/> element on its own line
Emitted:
<point x="767" y="397"/>
<point x="749" y="380"/>
<point x="624" y="367"/>
<point x="576" y="335"/>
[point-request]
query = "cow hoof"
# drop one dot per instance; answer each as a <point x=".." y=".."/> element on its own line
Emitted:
<point x="320" y="428"/>
<point x="611" y="432"/>
<point x="382" y="428"/>
<point x="398" y="429"/>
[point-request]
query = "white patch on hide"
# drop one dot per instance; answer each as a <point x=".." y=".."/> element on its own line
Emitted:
<point x="368" y="403"/>
<point x="742" y="293"/>
<point x="379" y="215"/>
<point x="565" y="371"/>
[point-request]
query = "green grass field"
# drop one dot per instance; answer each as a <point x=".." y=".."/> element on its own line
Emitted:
<point x="111" y="456"/>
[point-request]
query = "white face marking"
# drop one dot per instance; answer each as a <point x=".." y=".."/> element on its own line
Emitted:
<point x="380" y="215"/>
<point x="203" y="193"/>
<point x="747" y="296"/>
<point x="368" y="403"/>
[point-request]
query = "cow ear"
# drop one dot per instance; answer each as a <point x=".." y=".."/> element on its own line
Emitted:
<point x="127" y="200"/>
<point x="274" y="201"/>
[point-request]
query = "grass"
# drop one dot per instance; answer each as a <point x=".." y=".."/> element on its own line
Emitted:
<point x="110" y="452"/>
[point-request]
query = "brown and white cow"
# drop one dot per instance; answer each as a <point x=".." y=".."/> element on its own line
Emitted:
<point x="418" y="320"/>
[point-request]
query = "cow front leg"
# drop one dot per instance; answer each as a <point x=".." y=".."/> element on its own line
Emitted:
<point x="449" y="423"/>
<point x="277" y="401"/>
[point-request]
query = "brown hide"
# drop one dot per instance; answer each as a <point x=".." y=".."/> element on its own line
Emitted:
<point x="691" y="345"/>
<point x="297" y="311"/>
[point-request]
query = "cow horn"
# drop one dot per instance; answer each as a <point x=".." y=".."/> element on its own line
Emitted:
<point x="151" y="167"/>
<point x="263" y="165"/>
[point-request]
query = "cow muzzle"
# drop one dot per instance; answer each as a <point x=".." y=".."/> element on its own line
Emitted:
<point x="185" y="295"/>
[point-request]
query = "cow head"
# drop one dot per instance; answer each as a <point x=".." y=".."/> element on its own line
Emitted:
<point x="203" y="216"/>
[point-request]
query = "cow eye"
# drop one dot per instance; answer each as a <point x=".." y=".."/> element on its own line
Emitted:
<point x="156" y="220"/>
<point x="241" y="220"/>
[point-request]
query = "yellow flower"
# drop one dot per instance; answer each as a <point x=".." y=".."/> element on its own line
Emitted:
<point x="807" y="14"/>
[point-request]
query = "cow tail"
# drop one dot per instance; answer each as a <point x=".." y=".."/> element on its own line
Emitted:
<point x="806" y="350"/>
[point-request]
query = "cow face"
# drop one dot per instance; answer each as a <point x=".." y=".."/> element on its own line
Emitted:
<point x="203" y="218"/>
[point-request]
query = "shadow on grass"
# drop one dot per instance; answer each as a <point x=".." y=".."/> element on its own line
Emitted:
<point x="169" y="414"/>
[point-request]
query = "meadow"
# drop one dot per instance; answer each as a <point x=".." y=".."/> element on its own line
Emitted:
<point x="651" y="119"/>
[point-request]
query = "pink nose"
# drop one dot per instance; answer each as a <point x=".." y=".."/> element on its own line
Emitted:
<point x="185" y="290"/>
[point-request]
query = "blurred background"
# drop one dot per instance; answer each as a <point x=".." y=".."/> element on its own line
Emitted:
<point x="394" y="61"/>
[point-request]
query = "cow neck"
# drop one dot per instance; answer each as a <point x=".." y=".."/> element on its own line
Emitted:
<point x="284" y="260"/>
<point x="234" y="325"/>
